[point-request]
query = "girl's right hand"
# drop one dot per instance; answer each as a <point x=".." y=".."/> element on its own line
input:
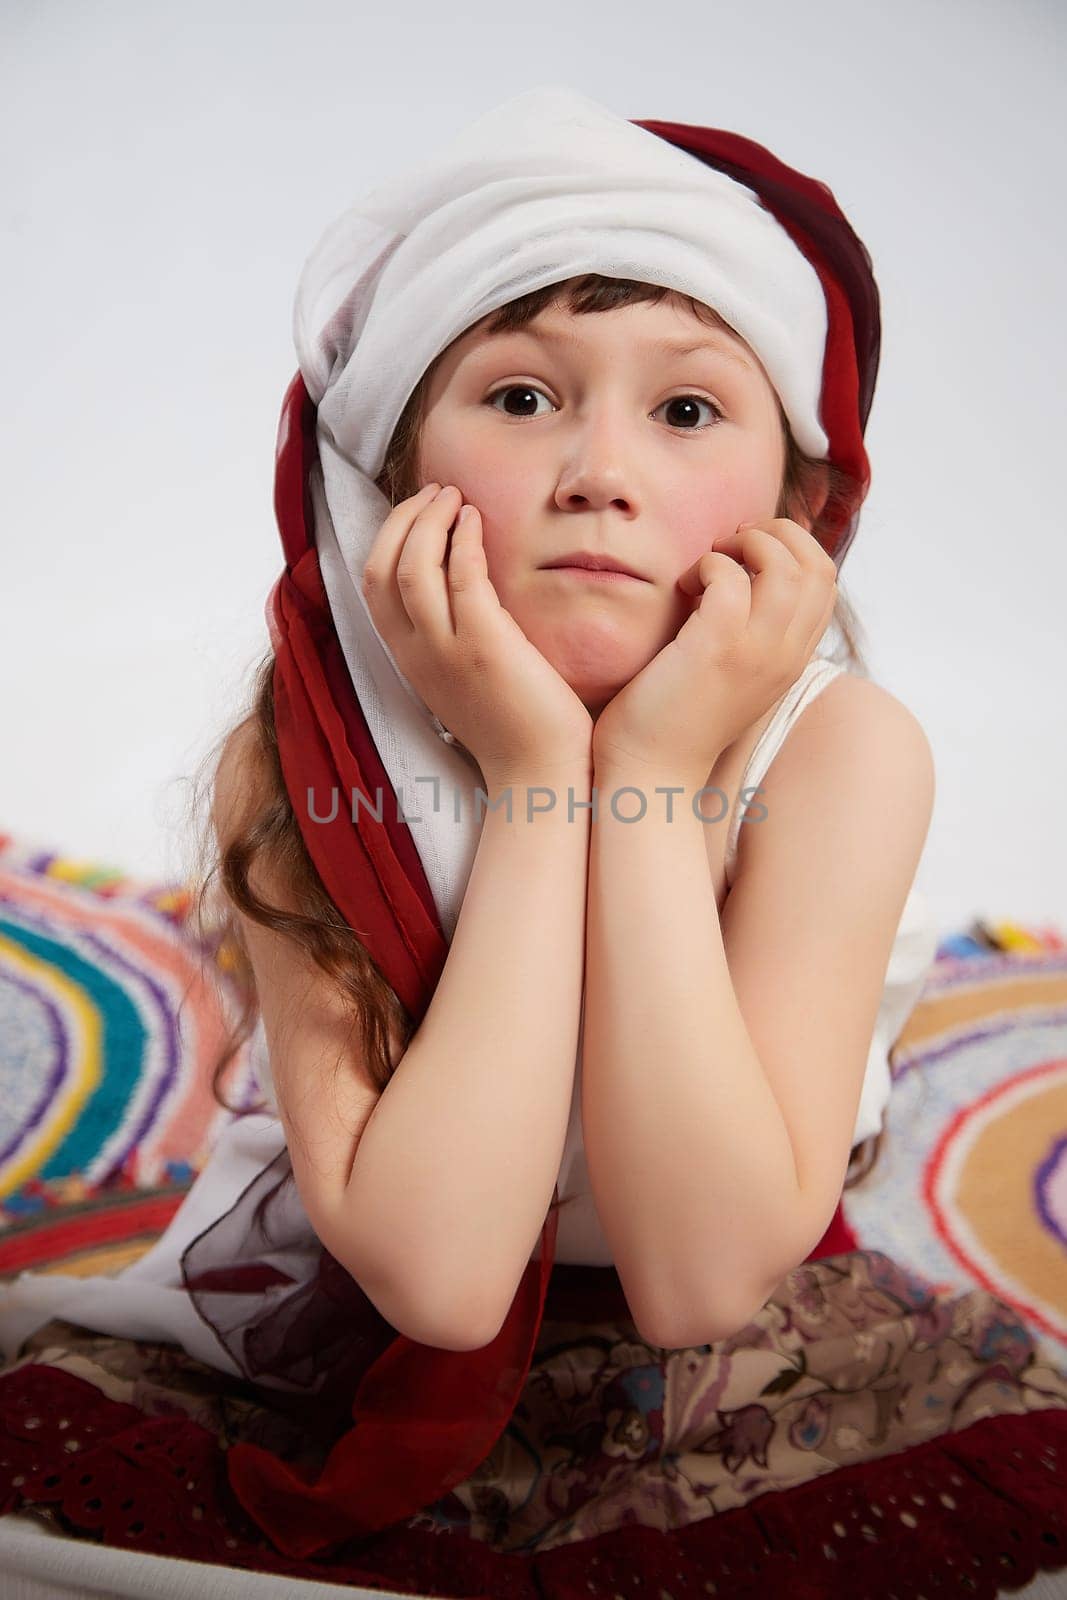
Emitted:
<point x="462" y="651"/>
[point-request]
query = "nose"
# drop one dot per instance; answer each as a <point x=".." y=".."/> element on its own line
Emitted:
<point x="592" y="494"/>
<point x="594" y="474"/>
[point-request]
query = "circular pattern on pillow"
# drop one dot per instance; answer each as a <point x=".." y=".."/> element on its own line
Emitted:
<point x="970" y="1186"/>
<point x="111" y="1018"/>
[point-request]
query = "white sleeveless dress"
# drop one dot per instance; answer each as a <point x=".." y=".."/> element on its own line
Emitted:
<point x="148" y="1299"/>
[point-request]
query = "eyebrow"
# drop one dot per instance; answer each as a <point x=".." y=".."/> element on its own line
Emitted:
<point x="715" y="343"/>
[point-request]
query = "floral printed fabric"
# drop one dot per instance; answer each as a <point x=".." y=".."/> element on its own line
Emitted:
<point x="853" y="1359"/>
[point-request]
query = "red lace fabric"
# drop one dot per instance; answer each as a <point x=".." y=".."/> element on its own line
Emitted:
<point x="976" y="1512"/>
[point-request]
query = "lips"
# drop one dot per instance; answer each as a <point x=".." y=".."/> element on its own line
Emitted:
<point x="593" y="563"/>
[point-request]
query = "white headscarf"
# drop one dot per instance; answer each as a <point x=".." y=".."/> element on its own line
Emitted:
<point x="545" y="187"/>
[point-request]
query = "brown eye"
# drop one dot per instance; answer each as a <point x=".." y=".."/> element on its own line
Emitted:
<point x="525" y="390"/>
<point x="526" y="393"/>
<point x="688" y="401"/>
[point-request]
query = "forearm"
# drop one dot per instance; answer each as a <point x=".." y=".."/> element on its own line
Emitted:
<point x="689" y="1157"/>
<point x="458" y="1162"/>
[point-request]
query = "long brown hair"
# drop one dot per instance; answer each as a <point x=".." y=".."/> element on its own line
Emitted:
<point x="810" y="492"/>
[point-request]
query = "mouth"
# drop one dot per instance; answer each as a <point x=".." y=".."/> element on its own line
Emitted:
<point x="596" y="574"/>
<point x="584" y="564"/>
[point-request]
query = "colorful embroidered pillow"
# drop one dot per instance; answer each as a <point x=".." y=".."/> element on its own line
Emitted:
<point x="111" y="1016"/>
<point x="970" y="1185"/>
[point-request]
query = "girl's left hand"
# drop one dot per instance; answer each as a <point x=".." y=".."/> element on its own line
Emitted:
<point x="743" y="645"/>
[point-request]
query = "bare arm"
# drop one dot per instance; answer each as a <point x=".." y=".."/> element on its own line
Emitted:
<point x="459" y="1160"/>
<point x="432" y="1193"/>
<point x="723" y="1059"/>
<point x="689" y="1156"/>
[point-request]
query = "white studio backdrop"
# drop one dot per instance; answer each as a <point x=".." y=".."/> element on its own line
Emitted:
<point x="168" y="168"/>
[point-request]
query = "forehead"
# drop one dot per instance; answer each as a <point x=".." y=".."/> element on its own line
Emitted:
<point x="657" y="328"/>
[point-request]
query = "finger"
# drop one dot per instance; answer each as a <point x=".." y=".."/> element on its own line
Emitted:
<point x="716" y="584"/>
<point x="776" y="581"/>
<point x="801" y="544"/>
<point x="813" y="602"/>
<point x="695" y="579"/>
<point x="378" y="579"/>
<point x="389" y="540"/>
<point x="421" y="568"/>
<point x="473" y="597"/>
<point x="819" y="596"/>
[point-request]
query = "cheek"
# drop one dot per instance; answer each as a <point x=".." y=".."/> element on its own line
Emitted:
<point x="455" y="449"/>
<point x="503" y="499"/>
<point x="715" y="506"/>
<point x="706" y="514"/>
<point x="489" y="484"/>
<point x="498" y="489"/>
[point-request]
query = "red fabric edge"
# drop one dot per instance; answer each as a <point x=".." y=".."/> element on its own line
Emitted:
<point x="1003" y="1519"/>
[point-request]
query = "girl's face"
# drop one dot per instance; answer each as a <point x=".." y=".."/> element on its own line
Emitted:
<point x="596" y="433"/>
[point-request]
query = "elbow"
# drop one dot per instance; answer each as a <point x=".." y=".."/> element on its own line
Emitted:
<point x="674" y="1310"/>
<point x="453" y="1338"/>
<point x="423" y="1323"/>
<point x="470" y="1329"/>
<point x="676" y="1323"/>
<point x="461" y="1328"/>
<point x="423" y="1317"/>
<point x="462" y="1320"/>
<point x="430" y="1306"/>
<point x="682" y="1328"/>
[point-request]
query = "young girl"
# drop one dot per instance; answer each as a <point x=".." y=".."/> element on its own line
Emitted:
<point x="526" y="992"/>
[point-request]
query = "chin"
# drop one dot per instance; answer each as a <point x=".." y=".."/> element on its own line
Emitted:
<point x="594" y="699"/>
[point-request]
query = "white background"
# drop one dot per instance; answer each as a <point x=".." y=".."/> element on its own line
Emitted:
<point x="168" y="169"/>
